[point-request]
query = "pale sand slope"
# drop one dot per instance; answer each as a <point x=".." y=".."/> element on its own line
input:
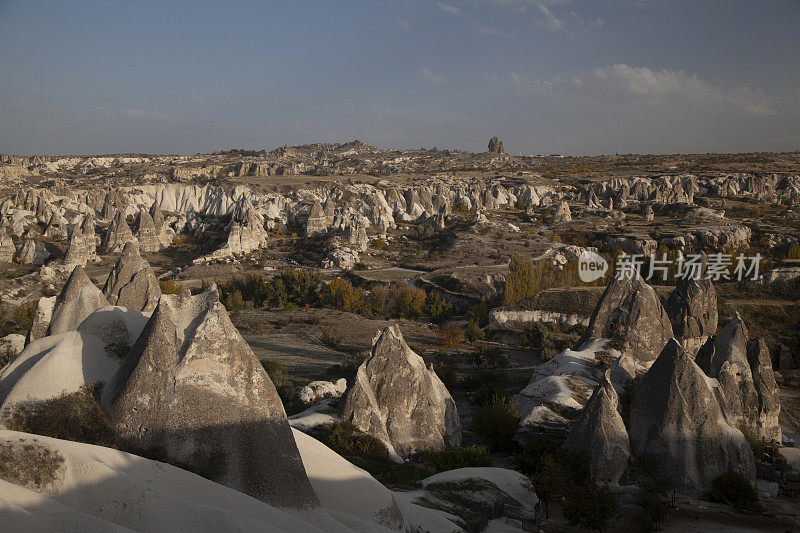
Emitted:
<point x="346" y="488"/>
<point x="55" y="364"/>
<point x="101" y="489"/>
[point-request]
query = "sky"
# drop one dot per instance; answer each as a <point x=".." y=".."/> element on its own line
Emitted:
<point x="578" y="77"/>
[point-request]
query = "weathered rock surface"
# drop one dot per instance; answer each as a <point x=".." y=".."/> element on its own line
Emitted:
<point x="32" y="253"/>
<point x="146" y="232"/>
<point x="496" y="146"/>
<point x="675" y="418"/>
<point x="192" y="387"/>
<point x="692" y="309"/>
<point x="631" y="313"/>
<point x="747" y="389"/>
<point x="78" y="252"/>
<point x="41" y="320"/>
<point x="78" y="299"/>
<point x="132" y="282"/>
<point x="401" y="402"/>
<point x="7" y="248"/>
<point x="600" y="432"/>
<point x="318" y="221"/>
<point x="117" y="235"/>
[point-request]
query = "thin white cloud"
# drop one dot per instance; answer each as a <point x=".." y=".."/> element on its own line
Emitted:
<point x="666" y="89"/>
<point x="447" y="8"/>
<point x="425" y="73"/>
<point x="401" y="23"/>
<point x="550" y="21"/>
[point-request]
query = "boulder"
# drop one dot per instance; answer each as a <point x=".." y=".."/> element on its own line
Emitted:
<point x="675" y="418"/>
<point x="317" y="391"/>
<point x="132" y="282"/>
<point x="192" y="388"/>
<point x="600" y="432"/>
<point x="630" y="313"/>
<point x="398" y="400"/>
<point x="78" y="299"/>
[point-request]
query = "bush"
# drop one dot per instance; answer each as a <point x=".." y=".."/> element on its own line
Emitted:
<point x="733" y="489"/>
<point x="170" y="286"/>
<point x="346" y="439"/>
<point x="378" y="244"/>
<point x="234" y="303"/>
<point x="458" y="457"/>
<point x="436" y="308"/>
<point x="72" y="416"/>
<point x="590" y="507"/>
<point x="474" y="332"/>
<point x="451" y="335"/>
<point x="496" y="421"/>
<point x="520" y="283"/>
<point x="277" y="372"/>
<point x="537" y="337"/>
<point x="302" y="285"/>
<point x="553" y="468"/>
<point x="794" y="251"/>
<point x="331" y="338"/>
<point x="24" y="314"/>
<point x="7" y="354"/>
<point x="340" y="294"/>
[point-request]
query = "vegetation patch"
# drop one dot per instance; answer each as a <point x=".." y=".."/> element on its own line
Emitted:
<point x="29" y="464"/>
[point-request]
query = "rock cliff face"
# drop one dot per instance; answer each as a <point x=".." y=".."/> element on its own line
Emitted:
<point x="401" y="402"/>
<point x="132" y="282"/>
<point x="78" y="299"/>
<point x="245" y="232"/>
<point x="631" y="313"/>
<point x="692" y="309"/>
<point x="192" y="388"/>
<point x="676" y="418"/>
<point x="747" y="390"/>
<point x="117" y="235"/>
<point x="600" y="432"/>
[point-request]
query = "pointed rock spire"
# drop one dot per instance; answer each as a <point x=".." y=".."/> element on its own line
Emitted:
<point x="132" y="282"/>
<point x="78" y="299"/>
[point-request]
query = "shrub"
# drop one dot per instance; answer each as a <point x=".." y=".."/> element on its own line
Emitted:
<point x="537" y="337"/>
<point x="378" y="244"/>
<point x="24" y="314"/>
<point x="234" y="303"/>
<point x="451" y="335"/>
<point x="457" y="457"/>
<point x="331" y="338"/>
<point x="170" y="286"/>
<point x="302" y="285"/>
<point x="733" y="489"/>
<point x="7" y="354"/>
<point x="29" y="464"/>
<point x="485" y="393"/>
<point x="276" y="294"/>
<point x="520" y="283"/>
<point x="72" y="416"/>
<point x="436" y="308"/>
<point x="474" y="332"/>
<point x="277" y="372"/>
<point x="553" y="468"/>
<point x="340" y="294"/>
<point x="496" y="421"/>
<point x="794" y="251"/>
<point x="590" y="507"/>
<point x="345" y="439"/>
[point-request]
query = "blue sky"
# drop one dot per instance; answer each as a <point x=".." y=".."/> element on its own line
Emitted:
<point x="558" y="76"/>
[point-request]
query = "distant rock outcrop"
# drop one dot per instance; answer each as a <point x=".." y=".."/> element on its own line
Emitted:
<point x="496" y="146"/>
<point x="561" y="213"/>
<point x="7" y="248"/>
<point x="245" y="232"/>
<point x="78" y="251"/>
<point x="318" y="221"/>
<point x="132" y="282"/>
<point x="631" y="313"/>
<point x="192" y="388"/>
<point x="676" y="419"/>
<point x="146" y="232"/>
<point x="32" y="253"/>
<point x="78" y="299"/>
<point x="600" y="432"/>
<point x="401" y="402"/>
